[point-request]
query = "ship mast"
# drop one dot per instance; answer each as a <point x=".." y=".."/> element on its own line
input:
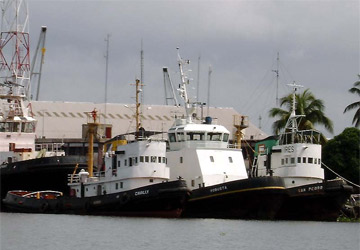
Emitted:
<point x="189" y="110"/>
<point x="137" y="107"/>
<point x="291" y="124"/>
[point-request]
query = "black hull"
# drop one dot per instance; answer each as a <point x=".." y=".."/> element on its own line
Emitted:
<point x="47" y="173"/>
<point x="159" y="200"/>
<point x="315" y="202"/>
<point x="255" y="198"/>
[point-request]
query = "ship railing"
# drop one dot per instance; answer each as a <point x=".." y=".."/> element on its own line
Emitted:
<point x="302" y="136"/>
<point x="73" y="178"/>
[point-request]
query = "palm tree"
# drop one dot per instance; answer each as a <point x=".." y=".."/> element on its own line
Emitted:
<point x="307" y="105"/>
<point x="355" y="90"/>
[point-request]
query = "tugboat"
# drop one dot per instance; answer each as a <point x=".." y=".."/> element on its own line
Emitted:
<point x="216" y="174"/>
<point x="295" y="155"/>
<point x="133" y="182"/>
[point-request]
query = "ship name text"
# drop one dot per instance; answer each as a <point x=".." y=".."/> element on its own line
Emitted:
<point x="218" y="189"/>
<point x="142" y="192"/>
<point x="310" y="189"/>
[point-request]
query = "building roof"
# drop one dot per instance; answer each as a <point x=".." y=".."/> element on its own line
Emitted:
<point x="65" y="119"/>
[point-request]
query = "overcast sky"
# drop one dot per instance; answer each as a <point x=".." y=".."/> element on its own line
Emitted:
<point x="318" y="43"/>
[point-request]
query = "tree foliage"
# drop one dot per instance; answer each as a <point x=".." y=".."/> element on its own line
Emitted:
<point x="355" y="105"/>
<point x="307" y="105"/>
<point x="342" y="154"/>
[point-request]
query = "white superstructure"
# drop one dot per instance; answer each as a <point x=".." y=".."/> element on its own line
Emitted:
<point x="128" y="166"/>
<point x="296" y="156"/>
<point x="199" y="152"/>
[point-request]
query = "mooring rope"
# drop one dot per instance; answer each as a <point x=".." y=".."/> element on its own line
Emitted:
<point x="340" y="176"/>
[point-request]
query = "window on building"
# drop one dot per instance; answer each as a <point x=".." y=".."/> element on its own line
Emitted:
<point x="315" y="160"/>
<point x="181" y="159"/>
<point x="304" y="159"/>
<point x="286" y="160"/>
<point x="310" y="160"/>
<point x="121" y="185"/>
<point x="159" y="159"/>
<point x="146" y="158"/>
<point x="130" y="162"/>
<point x="230" y="159"/>
<point x="299" y="159"/>
<point x="116" y="185"/>
<point x="141" y="158"/>
<point x="164" y="160"/>
<point x="292" y="160"/>
<point x="319" y="161"/>
<point x="282" y="161"/>
<point x="211" y="158"/>
<point x="193" y="183"/>
<point x="119" y="164"/>
<point x="125" y="162"/>
<point x="226" y="137"/>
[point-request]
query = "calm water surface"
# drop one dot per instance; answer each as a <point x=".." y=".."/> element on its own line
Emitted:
<point x="60" y="232"/>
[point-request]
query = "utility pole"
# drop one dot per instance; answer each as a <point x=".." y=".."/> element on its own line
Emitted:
<point x="208" y="96"/>
<point x="107" y="40"/>
<point x="277" y="79"/>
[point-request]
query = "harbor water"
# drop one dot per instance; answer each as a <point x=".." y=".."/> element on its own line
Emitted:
<point x="61" y="232"/>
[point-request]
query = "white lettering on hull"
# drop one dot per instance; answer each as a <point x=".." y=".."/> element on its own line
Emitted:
<point x="310" y="189"/>
<point x="218" y="189"/>
<point x="142" y="192"/>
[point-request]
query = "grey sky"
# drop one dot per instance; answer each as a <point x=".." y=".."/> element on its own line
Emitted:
<point x="318" y="42"/>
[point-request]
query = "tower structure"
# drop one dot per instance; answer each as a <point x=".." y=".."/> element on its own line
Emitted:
<point x="15" y="47"/>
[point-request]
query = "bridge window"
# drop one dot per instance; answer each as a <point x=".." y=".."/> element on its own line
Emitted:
<point x="172" y="137"/>
<point x="180" y="136"/>
<point x="191" y="136"/>
<point x="213" y="136"/>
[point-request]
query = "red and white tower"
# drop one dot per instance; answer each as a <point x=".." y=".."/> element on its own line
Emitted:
<point x="15" y="47"/>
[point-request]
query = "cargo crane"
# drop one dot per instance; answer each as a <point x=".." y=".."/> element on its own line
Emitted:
<point x="39" y="52"/>
<point x="169" y="93"/>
